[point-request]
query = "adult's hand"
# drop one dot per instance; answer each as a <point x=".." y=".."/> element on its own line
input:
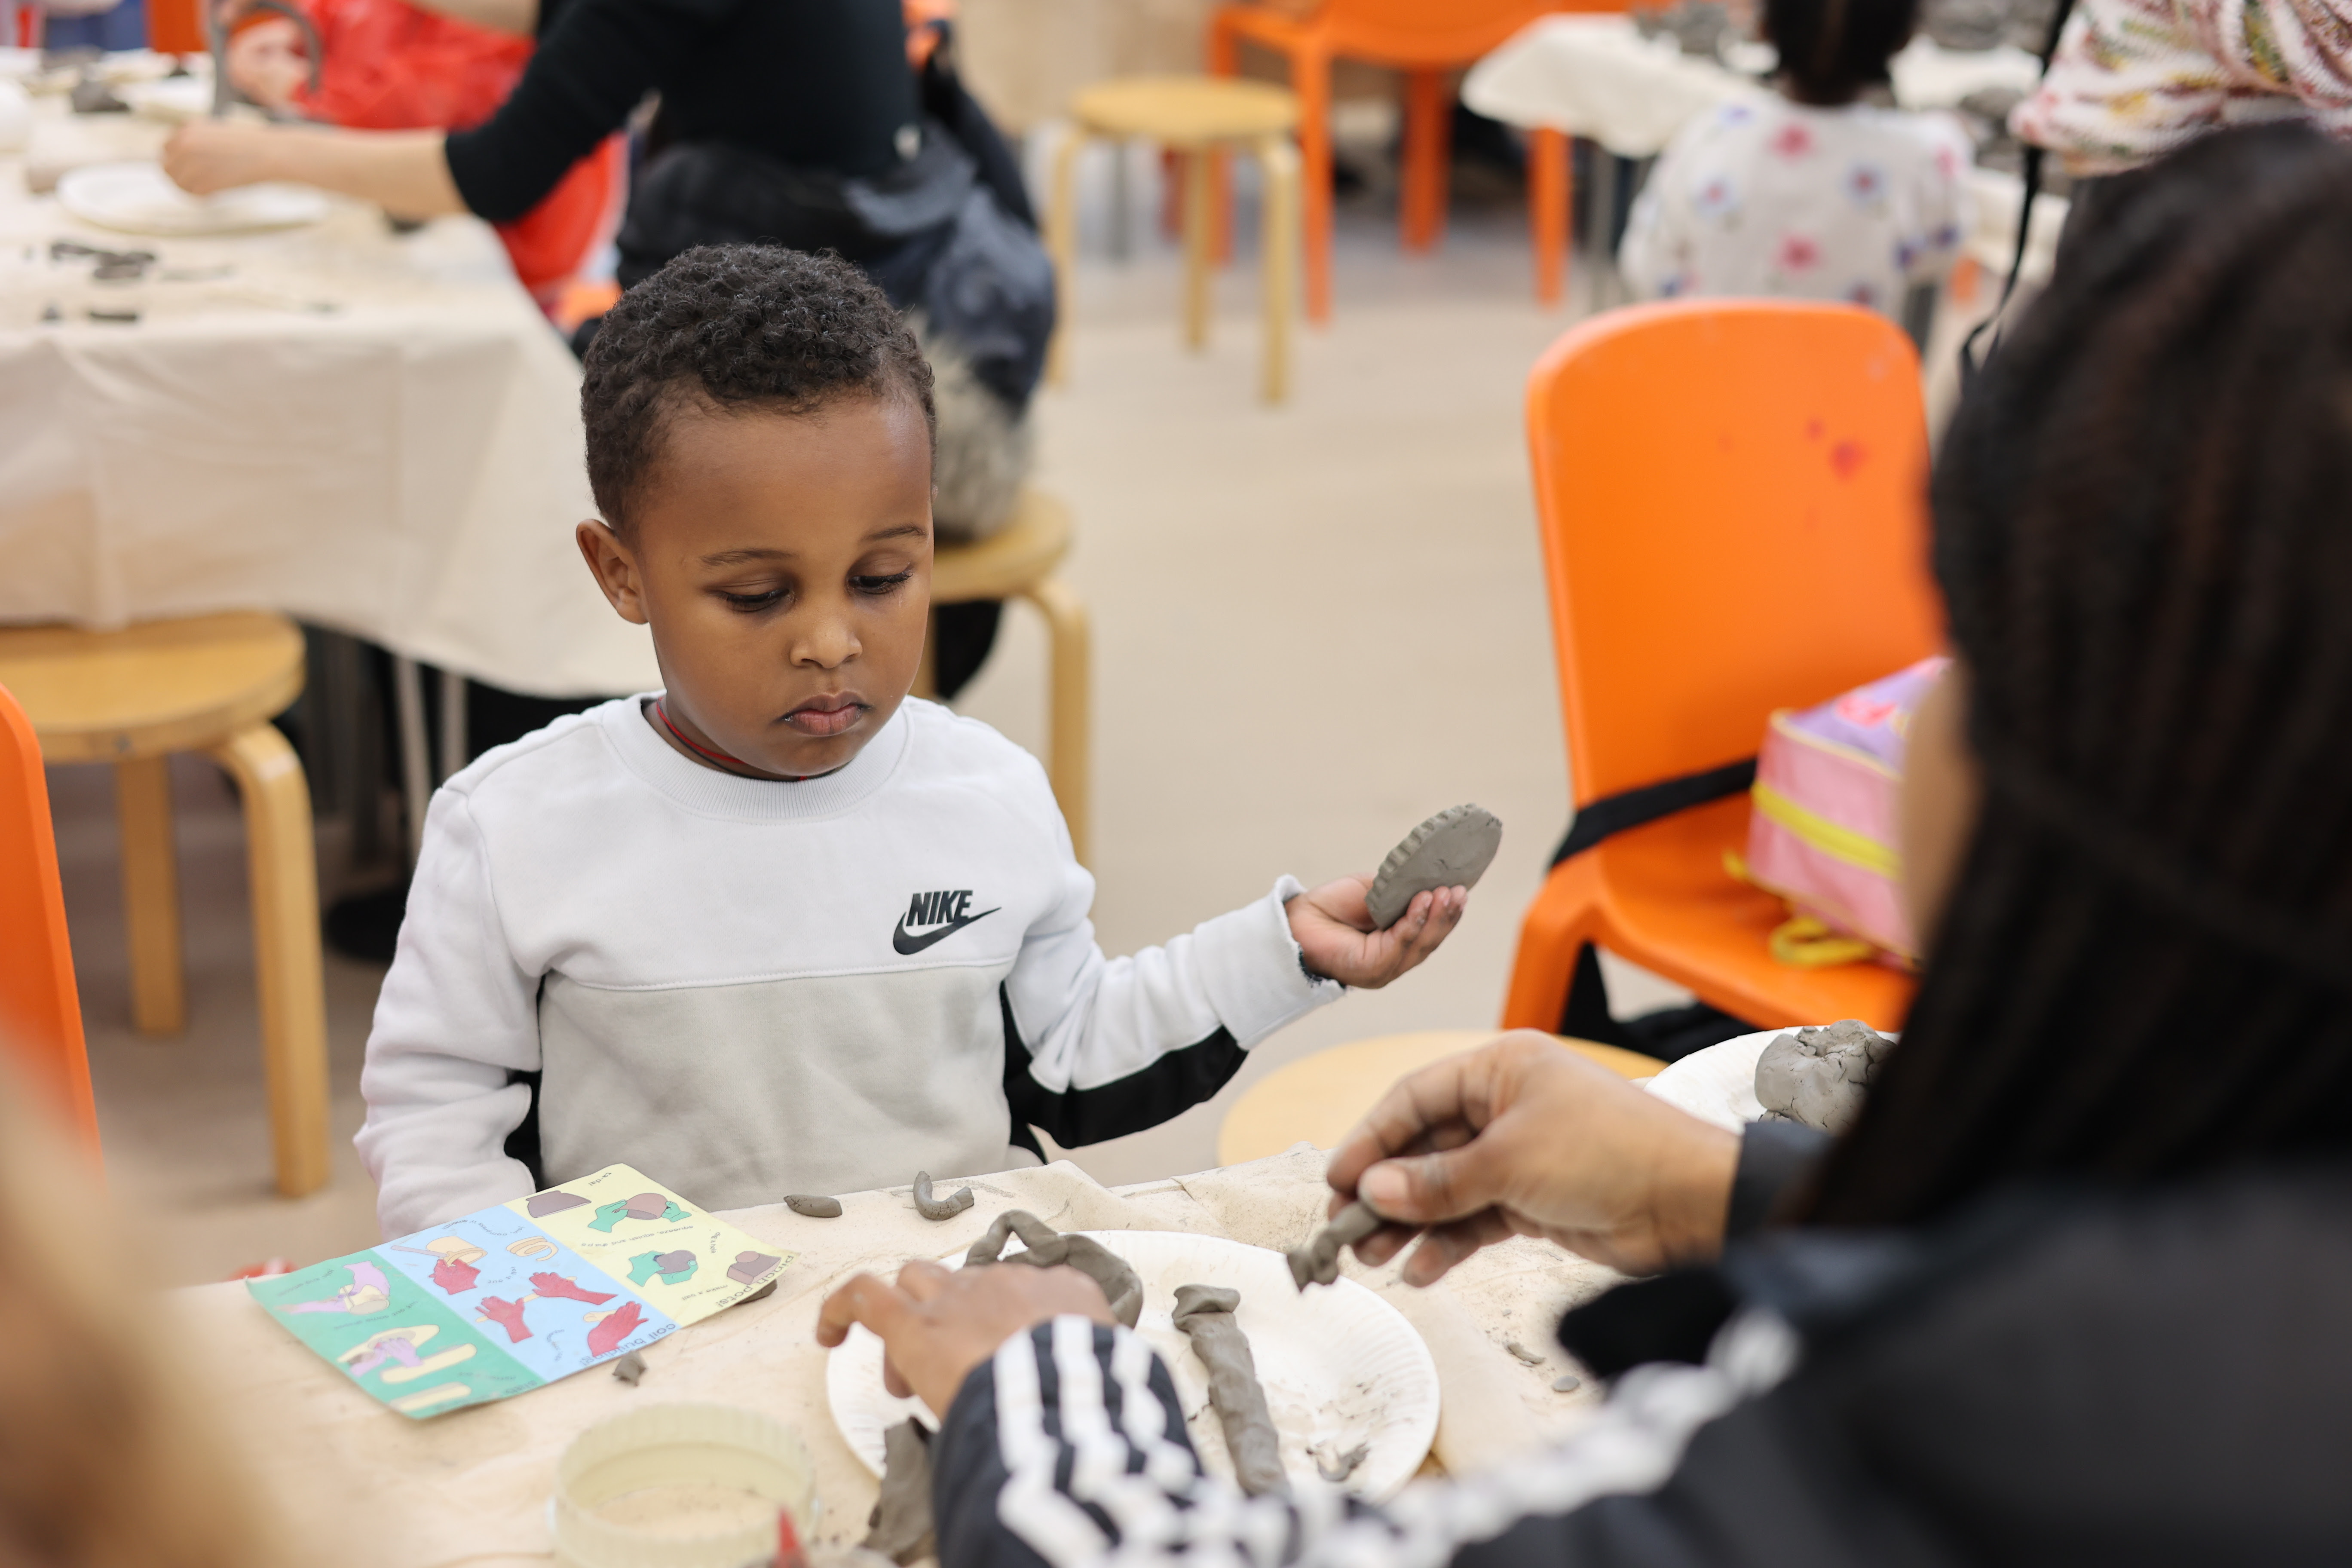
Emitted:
<point x="1525" y="1137"/>
<point x="938" y="1323"/>
<point x="208" y="155"/>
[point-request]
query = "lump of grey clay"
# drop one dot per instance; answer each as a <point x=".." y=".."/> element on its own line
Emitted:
<point x="1317" y="1262"/>
<point x="1048" y="1248"/>
<point x="1339" y="1466"/>
<point x="629" y="1368"/>
<point x="899" y="1528"/>
<point x="1820" y="1077"/>
<point x="1568" y="1384"/>
<point x="946" y="1207"/>
<point x="1451" y="849"/>
<point x="813" y="1206"/>
<point x="1532" y="1358"/>
<point x="1205" y="1314"/>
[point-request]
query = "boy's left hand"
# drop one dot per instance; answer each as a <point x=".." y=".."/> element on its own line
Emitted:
<point x="1333" y="927"/>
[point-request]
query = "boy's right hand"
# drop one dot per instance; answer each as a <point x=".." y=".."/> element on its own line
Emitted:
<point x="1332" y="925"/>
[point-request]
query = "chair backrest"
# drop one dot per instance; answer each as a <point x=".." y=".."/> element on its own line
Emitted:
<point x="1733" y="500"/>
<point x="40" y="1013"/>
<point x="1437" y="32"/>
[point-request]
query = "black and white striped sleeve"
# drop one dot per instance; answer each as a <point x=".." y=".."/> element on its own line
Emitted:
<point x="1067" y="1450"/>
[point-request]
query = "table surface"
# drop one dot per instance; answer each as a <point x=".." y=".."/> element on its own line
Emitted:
<point x="368" y="1488"/>
<point x="374" y="432"/>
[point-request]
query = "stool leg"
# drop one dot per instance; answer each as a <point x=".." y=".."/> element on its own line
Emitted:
<point x="1278" y="162"/>
<point x="1070" y="711"/>
<point x="284" y="874"/>
<point x="1428" y="107"/>
<point x="1062" y="244"/>
<point x="1311" y="79"/>
<point x="1547" y="209"/>
<point x="151" y="895"/>
<point x="1199" y="198"/>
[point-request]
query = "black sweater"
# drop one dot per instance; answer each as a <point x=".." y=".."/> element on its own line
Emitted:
<point x="818" y="84"/>
<point x="2051" y="1379"/>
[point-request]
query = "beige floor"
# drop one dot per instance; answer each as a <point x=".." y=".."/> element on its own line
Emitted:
<point x="1315" y="625"/>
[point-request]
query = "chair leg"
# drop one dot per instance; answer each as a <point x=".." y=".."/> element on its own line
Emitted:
<point x="1062" y="244"/>
<point x="1197" y="211"/>
<point x="151" y="895"/>
<point x="1224" y="59"/>
<point x="283" y="872"/>
<point x="1070" y="745"/>
<point x="1548" y="209"/>
<point x="1311" y="79"/>
<point x="1428" y="137"/>
<point x="1279" y="216"/>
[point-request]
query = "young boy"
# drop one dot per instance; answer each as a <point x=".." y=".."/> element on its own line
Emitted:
<point x="777" y="928"/>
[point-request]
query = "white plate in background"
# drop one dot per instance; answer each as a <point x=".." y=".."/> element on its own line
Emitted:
<point x="140" y="198"/>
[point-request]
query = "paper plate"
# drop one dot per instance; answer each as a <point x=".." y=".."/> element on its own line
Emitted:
<point x="1341" y="1367"/>
<point x="140" y="198"/>
<point x="1718" y="1084"/>
<point x="175" y="101"/>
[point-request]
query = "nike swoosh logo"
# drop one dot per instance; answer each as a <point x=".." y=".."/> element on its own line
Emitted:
<point x="905" y="943"/>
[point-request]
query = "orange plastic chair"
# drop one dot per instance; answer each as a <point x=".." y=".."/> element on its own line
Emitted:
<point x="1427" y="39"/>
<point x="40" y="1013"/>
<point x="1732" y="494"/>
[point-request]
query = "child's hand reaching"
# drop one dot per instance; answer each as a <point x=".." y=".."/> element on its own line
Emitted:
<point x="1334" y="931"/>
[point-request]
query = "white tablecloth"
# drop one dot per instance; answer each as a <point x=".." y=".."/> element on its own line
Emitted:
<point x="405" y="466"/>
<point x="1596" y="77"/>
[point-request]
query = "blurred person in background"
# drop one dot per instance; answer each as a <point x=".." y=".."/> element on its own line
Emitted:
<point x="106" y="1458"/>
<point x="1817" y="192"/>
<point x="386" y="65"/>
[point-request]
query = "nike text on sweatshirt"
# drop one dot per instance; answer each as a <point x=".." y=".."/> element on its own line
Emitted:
<point x="745" y="988"/>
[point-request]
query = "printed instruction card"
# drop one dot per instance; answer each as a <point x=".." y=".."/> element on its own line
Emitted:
<point x="516" y="1296"/>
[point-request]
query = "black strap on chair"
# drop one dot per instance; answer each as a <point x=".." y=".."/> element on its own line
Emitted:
<point x="1614" y="814"/>
<point x="1676" y="1031"/>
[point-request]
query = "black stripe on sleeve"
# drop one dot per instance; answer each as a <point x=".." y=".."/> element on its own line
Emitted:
<point x="1172" y="1084"/>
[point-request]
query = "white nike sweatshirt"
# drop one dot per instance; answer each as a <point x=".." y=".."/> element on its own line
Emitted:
<point x="746" y="988"/>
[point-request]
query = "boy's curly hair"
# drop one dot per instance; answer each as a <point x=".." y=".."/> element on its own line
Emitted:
<point x="737" y="327"/>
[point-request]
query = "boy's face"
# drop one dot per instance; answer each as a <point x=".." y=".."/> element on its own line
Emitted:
<point x="785" y="564"/>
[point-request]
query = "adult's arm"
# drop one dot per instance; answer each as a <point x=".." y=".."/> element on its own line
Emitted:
<point x="595" y="62"/>
<point x="402" y="172"/>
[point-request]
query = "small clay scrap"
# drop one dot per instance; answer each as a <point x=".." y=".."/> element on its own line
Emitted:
<point x="1317" y="1262"/>
<point x="630" y="1368"/>
<point x="554" y="1201"/>
<point x="1049" y="1247"/>
<point x="899" y="1528"/>
<point x="1337" y="1467"/>
<point x="946" y="1207"/>
<point x="1205" y="1314"/>
<point x="761" y="1294"/>
<point x="1532" y="1358"/>
<point x="1451" y="849"/>
<point x="1820" y="1077"/>
<point x="1567" y="1384"/>
<point x="813" y="1206"/>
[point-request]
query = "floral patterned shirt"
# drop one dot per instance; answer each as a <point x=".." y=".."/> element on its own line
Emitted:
<point x="1766" y="197"/>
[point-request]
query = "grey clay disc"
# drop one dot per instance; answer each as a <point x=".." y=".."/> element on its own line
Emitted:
<point x="1451" y="849"/>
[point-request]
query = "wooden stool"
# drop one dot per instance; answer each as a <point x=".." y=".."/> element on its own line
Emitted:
<point x="1320" y="1097"/>
<point x="1018" y="563"/>
<point x="208" y="684"/>
<point x="1201" y="118"/>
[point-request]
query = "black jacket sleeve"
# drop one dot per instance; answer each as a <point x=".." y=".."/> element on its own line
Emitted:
<point x="596" y="60"/>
